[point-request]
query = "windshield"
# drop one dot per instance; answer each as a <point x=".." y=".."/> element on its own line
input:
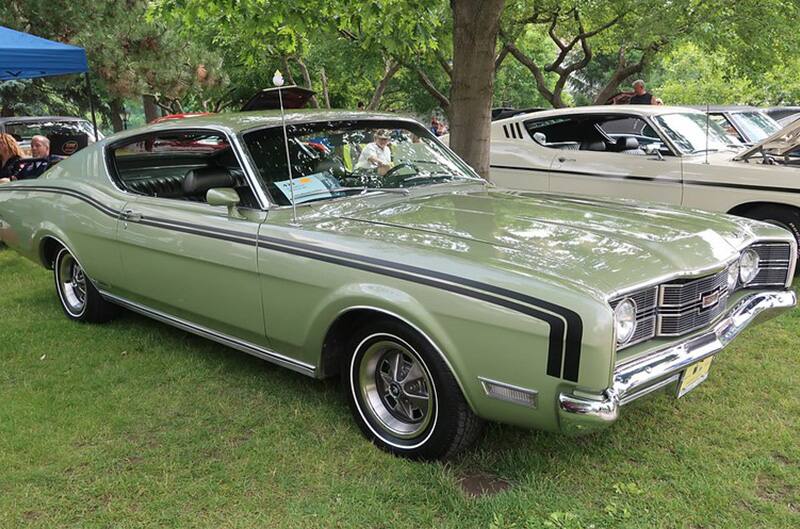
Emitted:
<point x="688" y="133"/>
<point x="333" y="159"/>
<point x="755" y="125"/>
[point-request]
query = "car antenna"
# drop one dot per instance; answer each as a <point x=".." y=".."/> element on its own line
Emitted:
<point x="708" y="109"/>
<point x="277" y="80"/>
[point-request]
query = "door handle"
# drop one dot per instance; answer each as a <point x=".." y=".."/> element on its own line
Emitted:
<point x="131" y="215"/>
<point x="563" y="159"/>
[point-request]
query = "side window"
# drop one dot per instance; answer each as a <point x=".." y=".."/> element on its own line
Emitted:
<point x="556" y="133"/>
<point x="725" y="123"/>
<point x="179" y="165"/>
<point x="629" y="135"/>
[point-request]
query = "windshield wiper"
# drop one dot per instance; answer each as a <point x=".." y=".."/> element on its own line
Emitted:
<point x="364" y="190"/>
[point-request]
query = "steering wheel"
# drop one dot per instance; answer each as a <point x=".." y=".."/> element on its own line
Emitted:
<point x="391" y="172"/>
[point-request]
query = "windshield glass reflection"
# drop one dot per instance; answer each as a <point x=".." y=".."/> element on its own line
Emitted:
<point x="688" y="133"/>
<point x="336" y="159"/>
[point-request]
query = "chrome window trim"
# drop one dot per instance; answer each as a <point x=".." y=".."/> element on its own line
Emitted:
<point x="233" y="141"/>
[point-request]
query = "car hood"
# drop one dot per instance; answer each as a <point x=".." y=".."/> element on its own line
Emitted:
<point x="603" y="245"/>
<point x="780" y="143"/>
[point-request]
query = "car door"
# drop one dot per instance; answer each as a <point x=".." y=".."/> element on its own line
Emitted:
<point x="181" y="256"/>
<point x="611" y="161"/>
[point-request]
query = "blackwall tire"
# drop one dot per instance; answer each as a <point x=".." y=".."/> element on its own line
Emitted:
<point x="403" y="395"/>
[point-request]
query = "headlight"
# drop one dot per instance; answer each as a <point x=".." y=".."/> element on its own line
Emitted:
<point x="625" y="320"/>
<point x="748" y="266"/>
<point x="733" y="276"/>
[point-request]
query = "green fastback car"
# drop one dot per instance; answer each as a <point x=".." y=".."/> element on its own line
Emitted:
<point x="381" y="257"/>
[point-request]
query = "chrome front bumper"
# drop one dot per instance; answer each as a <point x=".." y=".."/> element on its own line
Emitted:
<point x="583" y="412"/>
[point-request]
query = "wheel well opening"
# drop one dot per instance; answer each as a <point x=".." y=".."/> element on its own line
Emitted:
<point x="48" y="251"/>
<point x="742" y="209"/>
<point x="334" y="348"/>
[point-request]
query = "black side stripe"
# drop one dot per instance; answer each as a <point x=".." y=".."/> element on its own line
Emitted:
<point x="653" y="179"/>
<point x="69" y="192"/>
<point x="564" y="344"/>
<point x="574" y="329"/>
<point x="519" y="130"/>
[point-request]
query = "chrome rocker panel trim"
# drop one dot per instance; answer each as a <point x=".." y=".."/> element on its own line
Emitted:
<point x="224" y="339"/>
<point x="585" y="412"/>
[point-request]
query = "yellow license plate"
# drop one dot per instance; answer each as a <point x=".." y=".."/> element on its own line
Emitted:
<point x="694" y="375"/>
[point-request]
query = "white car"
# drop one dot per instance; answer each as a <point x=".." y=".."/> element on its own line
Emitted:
<point x="652" y="153"/>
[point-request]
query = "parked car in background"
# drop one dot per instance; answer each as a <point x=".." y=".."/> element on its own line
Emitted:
<point x="651" y="153"/>
<point x="749" y="125"/>
<point x="437" y="298"/>
<point x="783" y="115"/>
<point x="67" y="135"/>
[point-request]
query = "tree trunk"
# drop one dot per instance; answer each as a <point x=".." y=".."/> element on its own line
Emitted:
<point x="117" y="108"/>
<point x="325" y="96"/>
<point x="150" y="108"/>
<point x="391" y="68"/>
<point x="475" y="27"/>
<point x="307" y="80"/>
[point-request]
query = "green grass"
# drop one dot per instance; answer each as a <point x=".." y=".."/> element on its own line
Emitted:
<point x="136" y="424"/>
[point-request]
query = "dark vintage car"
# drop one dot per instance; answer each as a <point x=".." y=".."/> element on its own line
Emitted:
<point x="67" y="135"/>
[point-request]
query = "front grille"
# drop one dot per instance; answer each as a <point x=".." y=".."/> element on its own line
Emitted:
<point x="689" y="304"/>
<point x="680" y="293"/>
<point x="685" y="305"/>
<point x="774" y="259"/>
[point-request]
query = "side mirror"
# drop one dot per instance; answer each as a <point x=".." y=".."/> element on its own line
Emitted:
<point x="653" y="149"/>
<point x="223" y="196"/>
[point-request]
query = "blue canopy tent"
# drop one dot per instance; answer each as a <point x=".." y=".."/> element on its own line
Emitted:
<point x="24" y="56"/>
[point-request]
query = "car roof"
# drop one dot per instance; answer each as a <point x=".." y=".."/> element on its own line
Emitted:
<point x="727" y="108"/>
<point x="242" y="121"/>
<point x="642" y="110"/>
<point x="34" y="119"/>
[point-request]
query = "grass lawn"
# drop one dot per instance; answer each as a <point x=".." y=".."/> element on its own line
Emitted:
<point x="136" y="424"/>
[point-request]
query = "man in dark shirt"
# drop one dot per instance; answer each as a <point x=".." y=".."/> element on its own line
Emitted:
<point x="41" y="159"/>
<point x="640" y="95"/>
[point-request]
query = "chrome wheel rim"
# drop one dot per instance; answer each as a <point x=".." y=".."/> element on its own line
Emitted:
<point x="72" y="284"/>
<point x="396" y="388"/>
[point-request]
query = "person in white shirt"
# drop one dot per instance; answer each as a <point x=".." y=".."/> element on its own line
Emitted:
<point x="376" y="155"/>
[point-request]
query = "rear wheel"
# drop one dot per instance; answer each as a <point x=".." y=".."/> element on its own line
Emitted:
<point x="784" y="216"/>
<point x="79" y="299"/>
<point x="403" y="396"/>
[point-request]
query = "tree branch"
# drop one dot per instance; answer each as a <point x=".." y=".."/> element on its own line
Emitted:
<point x="448" y="69"/>
<point x="392" y="66"/>
<point x="442" y="99"/>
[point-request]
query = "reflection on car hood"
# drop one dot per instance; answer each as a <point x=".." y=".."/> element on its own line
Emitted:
<point x="603" y="245"/>
<point x="780" y="143"/>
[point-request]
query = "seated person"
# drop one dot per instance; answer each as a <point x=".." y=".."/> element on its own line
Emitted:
<point x="10" y="158"/>
<point x="41" y="159"/>
<point x="376" y="155"/>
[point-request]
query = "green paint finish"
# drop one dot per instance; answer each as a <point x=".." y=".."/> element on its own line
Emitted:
<point x="196" y="262"/>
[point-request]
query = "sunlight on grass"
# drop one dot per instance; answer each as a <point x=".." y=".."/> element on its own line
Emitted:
<point x="136" y="424"/>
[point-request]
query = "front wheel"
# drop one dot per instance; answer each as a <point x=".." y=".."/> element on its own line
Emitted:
<point x="403" y="395"/>
<point x="79" y="298"/>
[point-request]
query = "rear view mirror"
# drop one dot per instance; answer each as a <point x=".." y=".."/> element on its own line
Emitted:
<point x="223" y="196"/>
